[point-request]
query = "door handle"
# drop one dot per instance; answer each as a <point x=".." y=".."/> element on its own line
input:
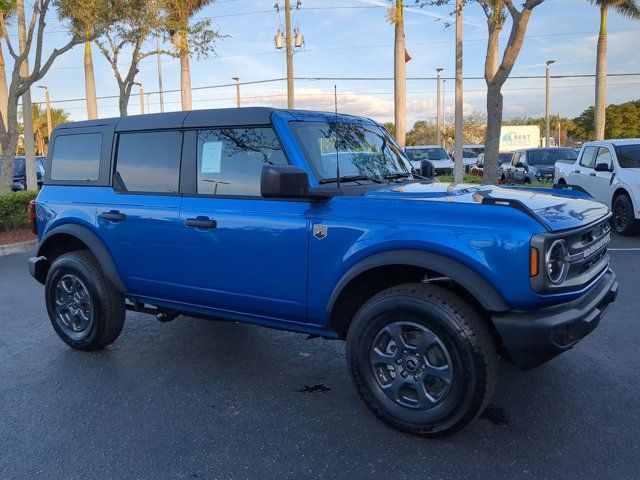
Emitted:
<point x="201" y="222"/>
<point x="576" y="171"/>
<point x="113" y="216"/>
<point x="592" y="174"/>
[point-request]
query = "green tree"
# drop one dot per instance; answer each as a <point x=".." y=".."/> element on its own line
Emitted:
<point x="189" y="38"/>
<point x="40" y="128"/>
<point x="627" y="8"/>
<point x="623" y="121"/>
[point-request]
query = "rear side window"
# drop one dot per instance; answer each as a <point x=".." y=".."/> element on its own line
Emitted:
<point x="588" y="157"/>
<point x="230" y="160"/>
<point x="149" y="162"/>
<point x="76" y="157"/>
<point x="628" y="156"/>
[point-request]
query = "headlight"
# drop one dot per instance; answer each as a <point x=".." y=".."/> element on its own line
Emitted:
<point x="555" y="262"/>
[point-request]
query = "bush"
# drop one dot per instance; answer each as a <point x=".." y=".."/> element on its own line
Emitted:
<point x="14" y="210"/>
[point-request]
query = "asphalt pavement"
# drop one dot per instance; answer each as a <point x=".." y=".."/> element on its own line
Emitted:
<point x="197" y="399"/>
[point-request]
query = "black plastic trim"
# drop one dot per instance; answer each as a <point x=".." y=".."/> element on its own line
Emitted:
<point x="471" y="281"/>
<point x="95" y="245"/>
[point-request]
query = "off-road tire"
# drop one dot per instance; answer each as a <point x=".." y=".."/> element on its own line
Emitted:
<point x="108" y="308"/>
<point x="623" y="207"/>
<point x="461" y="330"/>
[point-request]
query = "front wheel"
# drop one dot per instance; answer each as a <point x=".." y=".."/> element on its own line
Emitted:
<point x="422" y="359"/>
<point x="624" y="222"/>
<point x="85" y="310"/>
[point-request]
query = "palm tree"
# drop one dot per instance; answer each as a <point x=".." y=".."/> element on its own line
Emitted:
<point x="41" y="134"/>
<point x="6" y="10"/>
<point x="627" y="8"/>
<point x="180" y="11"/>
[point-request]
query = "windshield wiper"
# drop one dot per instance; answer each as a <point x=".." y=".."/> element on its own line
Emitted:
<point x="351" y="178"/>
<point x="391" y="176"/>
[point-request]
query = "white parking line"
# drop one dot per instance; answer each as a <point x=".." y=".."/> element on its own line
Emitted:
<point x="623" y="249"/>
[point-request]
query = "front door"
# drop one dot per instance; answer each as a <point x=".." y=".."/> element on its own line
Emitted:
<point x="241" y="253"/>
<point x="599" y="183"/>
<point x="580" y="174"/>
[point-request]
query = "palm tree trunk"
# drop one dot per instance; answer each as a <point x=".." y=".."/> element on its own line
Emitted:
<point x="601" y="77"/>
<point x="400" y="77"/>
<point x="90" y="83"/>
<point x="185" y="73"/>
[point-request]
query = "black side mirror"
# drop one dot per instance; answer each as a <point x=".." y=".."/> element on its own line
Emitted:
<point x="284" y="181"/>
<point x="427" y="169"/>
<point x="602" y="167"/>
<point x="519" y="165"/>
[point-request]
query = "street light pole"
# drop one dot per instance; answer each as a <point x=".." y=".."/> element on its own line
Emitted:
<point x="159" y="74"/>
<point x="48" y="103"/>
<point x="444" y="113"/>
<point x="289" y="50"/>
<point x="237" y="79"/>
<point x="438" y="106"/>
<point x="547" y="116"/>
<point x="141" y="97"/>
<point x="459" y="168"/>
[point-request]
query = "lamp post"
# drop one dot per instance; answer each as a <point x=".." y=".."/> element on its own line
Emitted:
<point x="141" y="97"/>
<point x="237" y="79"/>
<point x="438" y="105"/>
<point x="444" y="113"/>
<point x="547" y="116"/>
<point x="48" y="103"/>
<point x="459" y="167"/>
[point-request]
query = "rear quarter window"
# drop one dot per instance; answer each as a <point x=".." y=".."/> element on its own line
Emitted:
<point x="76" y="157"/>
<point x="628" y="156"/>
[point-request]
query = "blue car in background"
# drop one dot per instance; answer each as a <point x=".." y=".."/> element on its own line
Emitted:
<point x="317" y="223"/>
<point x="20" y="173"/>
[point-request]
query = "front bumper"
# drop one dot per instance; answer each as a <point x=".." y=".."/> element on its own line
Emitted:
<point x="532" y="338"/>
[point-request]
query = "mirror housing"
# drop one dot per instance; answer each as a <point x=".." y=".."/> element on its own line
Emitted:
<point x="284" y="181"/>
<point x="427" y="169"/>
<point x="519" y="165"/>
<point x="602" y="167"/>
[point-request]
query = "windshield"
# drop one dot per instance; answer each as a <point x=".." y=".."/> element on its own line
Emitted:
<point x="628" y="156"/>
<point x="472" y="152"/>
<point x="419" y="154"/>
<point x="550" y="157"/>
<point x="361" y="150"/>
<point x="505" y="157"/>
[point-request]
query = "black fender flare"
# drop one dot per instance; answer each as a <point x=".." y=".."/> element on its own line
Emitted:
<point x="93" y="243"/>
<point x="469" y="279"/>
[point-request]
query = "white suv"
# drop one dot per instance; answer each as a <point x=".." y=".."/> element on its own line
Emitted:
<point x="609" y="171"/>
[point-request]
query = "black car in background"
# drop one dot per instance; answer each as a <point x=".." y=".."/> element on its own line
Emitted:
<point x="20" y="173"/>
<point x="535" y="164"/>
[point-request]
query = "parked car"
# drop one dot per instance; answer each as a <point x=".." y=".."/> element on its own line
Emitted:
<point x="610" y="171"/>
<point x="241" y="215"/>
<point x="20" y="172"/>
<point x="470" y="154"/>
<point x="478" y="168"/>
<point x="535" y="164"/>
<point x="435" y="154"/>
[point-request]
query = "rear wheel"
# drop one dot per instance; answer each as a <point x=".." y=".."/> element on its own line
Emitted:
<point x="623" y="220"/>
<point x="85" y="310"/>
<point x="422" y="359"/>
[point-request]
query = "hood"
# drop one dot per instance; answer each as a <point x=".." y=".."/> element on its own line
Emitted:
<point x="557" y="210"/>
<point x="542" y="168"/>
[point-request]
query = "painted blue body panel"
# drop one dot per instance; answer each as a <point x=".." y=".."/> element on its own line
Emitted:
<point x="262" y="263"/>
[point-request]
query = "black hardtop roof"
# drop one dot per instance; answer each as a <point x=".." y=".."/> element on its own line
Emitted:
<point x="219" y="117"/>
<point x="196" y="118"/>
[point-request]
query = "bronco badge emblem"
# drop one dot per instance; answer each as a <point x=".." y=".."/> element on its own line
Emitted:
<point x="320" y="231"/>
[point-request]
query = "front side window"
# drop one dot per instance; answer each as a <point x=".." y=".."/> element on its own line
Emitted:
<point x="516" y="158"/>
<point x="359" y="150"/>
<point x="604" y="156"/>
<point x="628" y="156"/>
<point x="76" y="157"/>
<point x="588" y="157"/>
<point x="230" y="160"/>
<point x="149" y="162"/>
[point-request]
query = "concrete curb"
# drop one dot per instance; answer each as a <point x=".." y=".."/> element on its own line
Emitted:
<point x="21" y="247"/>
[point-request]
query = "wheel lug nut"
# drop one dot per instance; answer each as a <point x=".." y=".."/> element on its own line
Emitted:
<point x="399" y="361"/>
<point x="416" y="377"/>
<point x="404" y="374"/>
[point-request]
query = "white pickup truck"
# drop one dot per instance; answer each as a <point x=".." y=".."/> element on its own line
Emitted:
<point x="609" y="171"/>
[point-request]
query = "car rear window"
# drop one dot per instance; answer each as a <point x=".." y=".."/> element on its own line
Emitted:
<point x="76" y="157"/>
<point x="149" y="162"/>
<point x="628" y="156"/>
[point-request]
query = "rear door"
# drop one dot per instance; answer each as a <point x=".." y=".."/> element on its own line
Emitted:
<point x="580" y="173"/>
<point x="138" y="217"/>
<point x="240" y="253"/>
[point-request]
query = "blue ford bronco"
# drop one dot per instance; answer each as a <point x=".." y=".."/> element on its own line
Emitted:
<point x="316" y="223"/>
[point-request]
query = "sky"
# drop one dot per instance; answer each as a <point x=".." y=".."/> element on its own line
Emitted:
<point x="352" y="38"/>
